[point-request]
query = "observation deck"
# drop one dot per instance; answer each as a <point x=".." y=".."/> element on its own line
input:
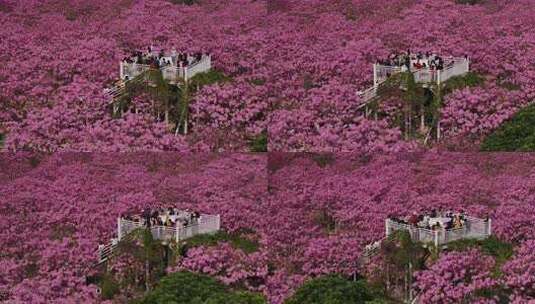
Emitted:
<point x="472" y="228"/>
<point x="184" y="225"/>
<point x="424" y="72"/>
<point x="436" y="230"/>
<point x="172" y="70"/>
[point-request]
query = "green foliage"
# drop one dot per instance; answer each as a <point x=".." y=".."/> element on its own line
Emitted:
<point x="496" y="293"/>
<point x="400" y="250"/>
<point x="516" y="134"/>
<point x="109" y="287"/>
<point x="35" y="160"/>
<point x="469" y="79"/>
<point x="323" y="159"/>
<point x="259" y="143"/>
<point x="142" y="248"/>
<point x="207" y="78"/>
<point x="308" y="82"/>
<point x="240" y="297"/>
<point x="331" y="289"/>
<point x="235" y="239"/>
<point x="2" y="139"/>
<point x="257" y="81"/>
<point x="491" y="246"/>
<point x="190" y="288"/>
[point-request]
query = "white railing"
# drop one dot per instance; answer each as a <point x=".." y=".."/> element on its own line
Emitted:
<point x="381" y="73"/>
<point x="367" y="95"/>
<point x="459" y="67"/>
<point x="425" y="76"/>
<point x="204" y="65"/>
<point x="132" y="70"/>
<point x="372" y="249"/>
<point x="106" y="251"/>
<point x="205" y="224"/>
<point x="473" y="228"/>
<point x="170" y="73"/>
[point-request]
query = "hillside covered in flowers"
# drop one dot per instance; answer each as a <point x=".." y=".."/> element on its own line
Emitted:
<point x="291" y="71"/>
<point x="287" y="218"/>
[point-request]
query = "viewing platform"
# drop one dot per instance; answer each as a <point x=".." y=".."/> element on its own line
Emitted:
<point x="437" y="229"/>
<point x="428" y="70"/>
<point x="174" y="66"/>
<point x="168" y="226"/>
<point x="442" y="229"/>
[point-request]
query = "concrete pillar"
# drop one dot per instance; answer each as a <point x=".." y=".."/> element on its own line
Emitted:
<point x="375" y="77"/>
<point x="119" y="230"/>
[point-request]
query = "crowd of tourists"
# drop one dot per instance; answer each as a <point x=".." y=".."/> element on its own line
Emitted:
<point x="161" y="58"/>
<point x="168" y="217"/>
<point x="434" y="220"/>
<point x="415" y="61"/>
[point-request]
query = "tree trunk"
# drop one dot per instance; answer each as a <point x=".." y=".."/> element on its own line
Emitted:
<point x="147" y="276"/>
<point x="422" y="119"/>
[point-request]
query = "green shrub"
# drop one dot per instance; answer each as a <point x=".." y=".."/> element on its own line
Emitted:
<point x="469" y="79"/>
<point x="35" y="160"/>
<point x="235" y="239"/>
<point x="516" y="134"/>
<point x="240" y="297"/>
<point x="257" y="81"/>
<point x="190" y="288"/>
<point x="109" y="287"/>
<point x="491" y="246"/>
<point x="331" y="289"/>
<point x="323" y="159"/>
<point x="207" y="78"/>
<point x="259" y="143"/>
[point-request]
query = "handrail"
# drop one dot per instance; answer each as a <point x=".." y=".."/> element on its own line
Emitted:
<point x="473" y="228"/>
<point x="425" y="75"/>
<point x="207" y="224"/>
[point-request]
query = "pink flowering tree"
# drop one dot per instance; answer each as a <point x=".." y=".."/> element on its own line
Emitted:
<point x="457" y="277"/>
